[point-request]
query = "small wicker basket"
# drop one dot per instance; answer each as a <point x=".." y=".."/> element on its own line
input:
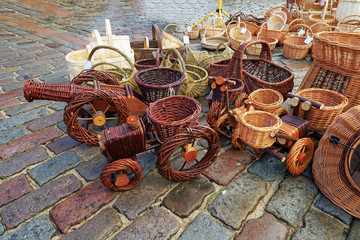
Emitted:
<point x="170" y="114"/>
<point x="237" y="36"/>
<point x="256" y="127"/>
<point x="256" y="48"/>
<point x="349" y="25"/>
<point x="295" y="47"/>
<point x="267" y="100"/>
<point x="334" y="104"/>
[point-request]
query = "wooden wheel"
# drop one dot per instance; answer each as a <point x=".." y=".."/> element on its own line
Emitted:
<point x="91" y="112"/>
<point x="190" y="161"/>
<point x="121" y="175"/>
<point x="300" y="156"/>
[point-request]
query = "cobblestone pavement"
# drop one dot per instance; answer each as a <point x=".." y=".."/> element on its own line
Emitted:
<point x="48" y="182"/>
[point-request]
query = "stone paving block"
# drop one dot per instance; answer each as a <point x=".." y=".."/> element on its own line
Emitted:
<point x="188" y="196"/>
<point x="12" y="134"/>
<point x="267" y="227"/>
<point x="39" y="228"/>
<point x="136" y="200"/>
<point x="34" y="202"/>
<point x="46" y="121"/>
<point x="88" y="152"/>
<point x="155" y="224"/>
<point x="13" y="86"/>
<point x="54" y="167"/>
<point x="81" y="205"/>
<point x="56" y="74"/>
<point x="228" y="165"/>
<point x="57" y="106"/>
<point x="238" y="199"/>
<point x="320" y="226"/>
<point x="268" y="168"/>
<point x="20" y="108"/>
<point x="28" y="142"/>
<point x="327" y="206"/>
<point x="62" y="127"/>
<point x="205" y="228"/>
<point x="9" y="103"/>
<point x="1" y="229"/>
<point x="98" y="227"/>
<point x="63" y="144"/>
<point x="13" y="189"/>
<point x="292" y="199"/>
<point x="354" y="232"/>
<point x="9" y="95"/>
<point x="22" y="118"/>
<point x="21" y="161"/>
<point x="91" y="169"/>
<point x="147" y="161"/>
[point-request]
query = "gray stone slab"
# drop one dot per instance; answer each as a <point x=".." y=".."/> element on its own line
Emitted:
<point x="22" y="118"/>
<point x="293" y="199"/>
<point x="320" y="226"/>
<point x="239" y="199"/>
<point x="1" y="229"/>
<point x="91" y="169"/>
<point x="57" y="106"/>
<point x="147" y="161"/>
<point x="327" y="206"/>
<point x="39" y="228"/>
<point x="54" y="167"/>
<point x="205" y="228"/>
<point x="12" y="134"/>
<point x="354" y="232"/>
<point x="268" y="168"/>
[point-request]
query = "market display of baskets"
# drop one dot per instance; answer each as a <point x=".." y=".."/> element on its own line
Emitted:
<point x="297" y="47"/>
<point x="322" y="16"/>
<point x="267" y="100"/>
<point x="226" y="53"/>
<point x="334" y="104"/>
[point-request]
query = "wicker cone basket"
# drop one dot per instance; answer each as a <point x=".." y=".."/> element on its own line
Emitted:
<point x="237" y="35"/>
<point x="334" y="104"/>
<point x="157" y="83"/>
<point x="295" y="46"/>
<point x="350" y="25"/>
<point x="267" y="100"/>
<point x="170" y="114"/>
<point x="256" y="127"/>
<point x="332" y="164"/>
<point x="212" y="42"/>
<point x="256" y="49"/>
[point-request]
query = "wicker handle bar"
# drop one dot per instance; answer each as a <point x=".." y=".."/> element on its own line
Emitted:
<point x="300" y="25"/>
<point x="156" y="34"/>
<point x="179" y="58"/>
<point x="110" y="64"/>
<point x="304" y="99"/>
<point x="294" y="22"/>
<point x="268" y="12"/>
<point x="218" y="47"/>
<point x="297" y="10"/>
<point x="353" y="15"/>
<point x="275" y="154"/>
<point x="110" y="48"/>
<point x="182" y="29"/>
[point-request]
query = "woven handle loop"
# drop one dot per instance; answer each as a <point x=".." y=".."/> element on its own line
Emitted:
<point x="178" y="56"/>
<point x="296" y="21"/>
<point x="111" y="48"/>
<point x="157" y="57"/>
<point x="156" y="34"/>
<point x="111" y="64"/>
<point x="296" y="9"/>
<point x="354" y="15"/>
<point x="268" y="12"/>
<point x="182" y="29"/>
<point x="218" y="47"/>
<point x="221" y="23"/>
<point x="330" y="28"/>
<point x="301" y="25"/>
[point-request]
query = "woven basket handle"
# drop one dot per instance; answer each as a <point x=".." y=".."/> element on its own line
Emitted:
<point x="182" y="29"/>
<point x="296" y="21"/>
<point x="268" y="12"/>
<point x="157" y="57"/>
<point x="325" y="9"/>
<point x="296" y="8"/>
<point x="330" y="28"/>
<point x="261" y="28"/>
<point x="156" y="34"/>
<point x="111" y="48"/>
<point x="301" y="25"/>
<point x="354" y="29"/>
<point x="221" y="23"/>
<point x="179" y="58"/>
<point x="111" y="64"/>
<point x="218" y="47"/>
<point x="354" y="15"/>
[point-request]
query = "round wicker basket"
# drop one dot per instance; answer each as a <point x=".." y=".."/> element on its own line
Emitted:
<point x="267" y="100"/>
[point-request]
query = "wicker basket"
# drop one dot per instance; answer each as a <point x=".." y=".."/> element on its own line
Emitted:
<point x="144" y="49"/>
<point x="213" y="42"/>
<point x="281" y="11"/>
<point x="194" y="33"/>
<point x="256" y="127"/>
<point x="267" y="100"/>
<point x="237" y="37"/>
<point x="196" y="57"/>
<point x="350" y="25"/>
<point x="256" y="49"/>
<point x="334" y="104"/>
<point x="275" y="34"/>
<point x="315" y="28"/>
<point x="170" y="114"/>
<point x="169" y="41"/>
<point x="215" y="30"/>
<point x="295" y="46"/>
<point x="198" y="83"/>
<point x="323" y="16"/>
<point x="157" y="83"/>
<point x="226" y="53"/>
<point x="342" y="49"/>
<point x="332" y="162"/>
<point x="147" y="63"/>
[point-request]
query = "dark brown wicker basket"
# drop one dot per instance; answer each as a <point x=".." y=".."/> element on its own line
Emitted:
<point x="255" y="72"/>
<point x="170" y="114"/>
<point x="157" y="83"/>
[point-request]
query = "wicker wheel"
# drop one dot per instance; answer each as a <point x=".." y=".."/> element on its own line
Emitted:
<point x="89" y="76"/>
<point x="94" y="106"/>
<point x="300" y="156"/>
<point x="131" y="171"/>
<point x="186" y="166"/>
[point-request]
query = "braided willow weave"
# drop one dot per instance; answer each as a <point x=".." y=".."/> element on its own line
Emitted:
<point x="90" y="75"/>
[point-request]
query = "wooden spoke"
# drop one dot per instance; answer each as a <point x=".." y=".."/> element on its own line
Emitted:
<point x="92" y="106"/>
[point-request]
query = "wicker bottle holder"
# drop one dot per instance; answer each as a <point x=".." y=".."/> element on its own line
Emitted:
<point x="170" y="114"/>
<point x="256" y="127"/>
<point x="334" y="103"/>
<point x="267" y="100"/>
<point x="237" y="37"/>
<point x="295" y="46"/>
<point x="256" y="49"/>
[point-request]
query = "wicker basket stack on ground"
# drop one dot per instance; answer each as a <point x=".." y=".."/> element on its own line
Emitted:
<point x="212" y="42"/>
<point x="238" y="35"/>
<point x="334" y="104"/>
<point x="267" y="100"/>
<point x="256" y="127"/>
<point x="296" y="47"/>
<point x="252" y="23"/>
<point x="170" y="114"/>
<point x="256" y="49"/>
<point x="349" y="23"/>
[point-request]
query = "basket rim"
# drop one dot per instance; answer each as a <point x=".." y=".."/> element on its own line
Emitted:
<point x="278" y="102"/>
<point x="276" y="126"/>
<point x="343" y="104"/>
<point x="171" y="98"/>
<point x="322" y="37"/>
<point x="139" y="82"/>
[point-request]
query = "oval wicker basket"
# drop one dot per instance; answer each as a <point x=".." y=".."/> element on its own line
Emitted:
<point x="256" y="48"/>
<point x="256" y="127"/>
<point x="157" y="83"/>
<point x="198" y="83"/>
<point x="267" y="100"/>
<point x="212" y="42"/>
<point x="295" y="46"/>
<point x="350" y="25"/>
<point x="334" y="104"/>
<point x="237" y="37"/>
<point x="170" y="114"/>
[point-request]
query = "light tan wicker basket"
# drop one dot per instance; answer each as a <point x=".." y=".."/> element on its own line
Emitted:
<point x="238" y="35"/>
<point x="295" y="47"/>
<point x="267" y="100"/>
